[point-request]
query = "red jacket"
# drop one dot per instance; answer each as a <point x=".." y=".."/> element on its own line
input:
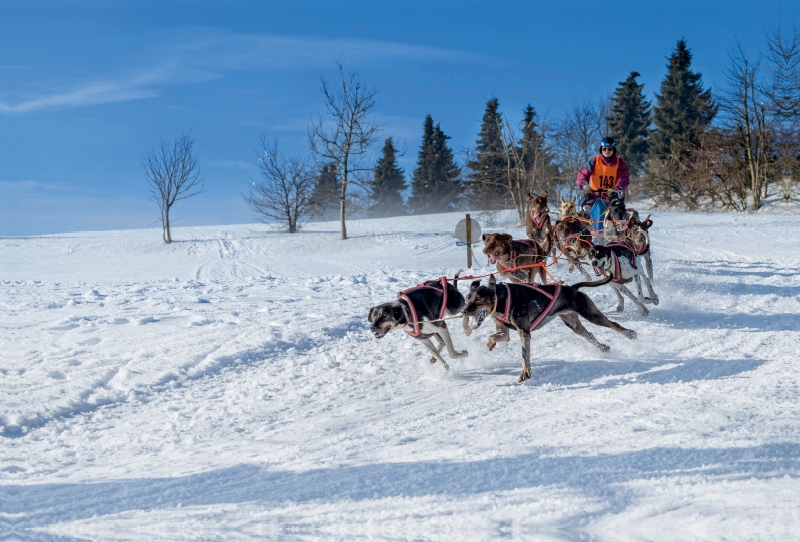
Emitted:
<point x="623" y="176"/>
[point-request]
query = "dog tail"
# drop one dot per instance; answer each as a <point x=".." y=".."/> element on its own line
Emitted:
<point x="592" y="284"/>
<point x="455" y="278"/>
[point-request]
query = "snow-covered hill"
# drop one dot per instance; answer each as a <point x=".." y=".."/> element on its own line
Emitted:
<point x="226" y="387"/>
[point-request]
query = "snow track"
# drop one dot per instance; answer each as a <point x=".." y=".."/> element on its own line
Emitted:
<point x="227" y="387"/>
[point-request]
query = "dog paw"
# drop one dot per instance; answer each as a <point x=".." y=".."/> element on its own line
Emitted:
<point x="655" y="300"/>
<point x="524" y="375"/>
<point x="619" y="308"/>
<point x="645" y="312"/>
<point x="461" y="354"/>
<point x="632" y="335"/>
<point x="433" y="359"/>
<point x="491" y="344"/>
<point x="604" y="347"/>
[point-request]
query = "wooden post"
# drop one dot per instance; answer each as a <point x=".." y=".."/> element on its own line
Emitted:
<point x="469" y="242"/>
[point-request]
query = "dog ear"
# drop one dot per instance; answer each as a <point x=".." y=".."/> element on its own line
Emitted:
<point x="545" y="195"/>
<point x="474" y="285"/>
<point x="505" y="237"/>
<point x="397" y="311"/>
<point x="484" y="236"/>
<point x="563" y="200"/>
<point x="492" y="282"/>
<point x="529" y="196"/>
<point x="371" y="317"/>
<point x="647" y="223"/>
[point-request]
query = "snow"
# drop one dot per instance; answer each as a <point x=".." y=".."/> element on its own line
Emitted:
<point x="226" y="387"/>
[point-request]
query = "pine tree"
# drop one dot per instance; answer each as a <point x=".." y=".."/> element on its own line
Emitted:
<point x="684" y="109"/>
<point x="486" y="180"/>
<point x="435" y="186"/>
<point x="387" y="183"/>
<point x="325" y="197"/>
<point x="630" y="121"/>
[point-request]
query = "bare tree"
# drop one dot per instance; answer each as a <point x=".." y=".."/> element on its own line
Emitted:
<point x="173" y="174"/>
<point x="283" y="193"/>
<point x="783" y="56"/>
<point x="681" y="177"/>
<point x="349" y="136"/>
<point x="527" y="163"/>
<point x="577" y="136"/>
<point x="748" y="117"/>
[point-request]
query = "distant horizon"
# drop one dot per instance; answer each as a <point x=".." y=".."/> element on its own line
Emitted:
<point x="89" y="87"/>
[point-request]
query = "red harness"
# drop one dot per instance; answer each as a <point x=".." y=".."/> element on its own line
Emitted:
<point x="513" y="257"/>
<point x="412" y="319"/>
<point x="638" y="247"/>
<point x="504" y="319"/>
<point x="533" y="219"/>
<point x="617" y="272"/>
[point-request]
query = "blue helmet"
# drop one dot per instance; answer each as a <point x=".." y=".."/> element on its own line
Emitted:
<point x="608" y="142"/>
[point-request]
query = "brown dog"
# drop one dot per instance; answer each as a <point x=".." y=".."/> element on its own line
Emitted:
<point x="537" y="223"/>
<point x="507" y="253"/>
<point x="573" y="239"/>
<point x="568" y="208"/>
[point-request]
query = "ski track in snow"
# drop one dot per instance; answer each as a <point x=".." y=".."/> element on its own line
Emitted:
<point x="226" y="387"/>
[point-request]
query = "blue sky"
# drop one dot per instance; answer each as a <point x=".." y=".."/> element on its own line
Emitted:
<point x="87" y="87"/>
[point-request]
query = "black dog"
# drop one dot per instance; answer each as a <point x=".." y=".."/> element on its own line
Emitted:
<point x="617" y="262"/>
<point x="527" y="308"/>
<point x="617" y="219"/>
<point x="419" y="312"/>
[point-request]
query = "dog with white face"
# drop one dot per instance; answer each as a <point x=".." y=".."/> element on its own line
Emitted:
<point x="420" y="311"/>
<point x="618" y="261"/>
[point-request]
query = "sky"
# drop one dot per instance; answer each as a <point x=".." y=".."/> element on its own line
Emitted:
<point x="88" y="87"/>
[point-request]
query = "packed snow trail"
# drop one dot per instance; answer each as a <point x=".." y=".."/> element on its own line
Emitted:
<point x="227" y="387"/>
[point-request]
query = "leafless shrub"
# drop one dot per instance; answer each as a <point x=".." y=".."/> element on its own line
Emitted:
<point x="283" y="192"/>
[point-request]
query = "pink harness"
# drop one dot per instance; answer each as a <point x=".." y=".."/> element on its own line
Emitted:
<point x="617" y="272"/>
<point x="504" y="319"/>
<point x="412" y="318"/>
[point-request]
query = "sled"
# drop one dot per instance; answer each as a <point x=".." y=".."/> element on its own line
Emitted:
<point x="598" y="215"/>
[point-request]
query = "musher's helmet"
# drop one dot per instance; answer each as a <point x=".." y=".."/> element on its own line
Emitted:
<point x="608" y="142"/>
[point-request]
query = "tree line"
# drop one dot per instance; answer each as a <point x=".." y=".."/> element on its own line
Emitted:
<point x="690" y="149"/>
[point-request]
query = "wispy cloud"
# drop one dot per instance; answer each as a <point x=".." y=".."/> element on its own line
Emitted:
<point x="201" y="55"/>
<point x="27" y="185"/>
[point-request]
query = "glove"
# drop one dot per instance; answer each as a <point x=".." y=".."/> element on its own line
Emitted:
<point x="582" y="186"/>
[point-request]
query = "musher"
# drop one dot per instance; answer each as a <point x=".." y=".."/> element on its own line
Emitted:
<point x="603" y="177"/>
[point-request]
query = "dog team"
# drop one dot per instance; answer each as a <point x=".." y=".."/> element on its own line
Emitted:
<point x="520" y="304"/>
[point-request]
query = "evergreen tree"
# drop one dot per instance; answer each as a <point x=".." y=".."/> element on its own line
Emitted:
<point x="684" y="109"/>
<point x="325" y="197"/>
<point x="630" y="121"/>
<point x="387" y="183"/>
<point x="435" y="186"/>
<point x="486" y="188"/>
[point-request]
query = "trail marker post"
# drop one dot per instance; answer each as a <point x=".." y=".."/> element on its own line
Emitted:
<point x="466" y="230"/>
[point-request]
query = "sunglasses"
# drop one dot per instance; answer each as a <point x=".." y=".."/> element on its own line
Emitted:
<point x="606" y="148"/>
